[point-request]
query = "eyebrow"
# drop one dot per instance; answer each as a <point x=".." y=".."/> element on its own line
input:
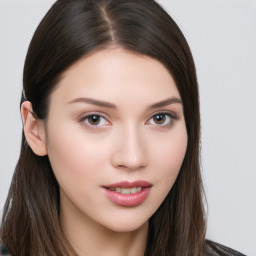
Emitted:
<point x="166" y="102"/>
<point x="94" y="102"/>
<point x="100" y="103"/>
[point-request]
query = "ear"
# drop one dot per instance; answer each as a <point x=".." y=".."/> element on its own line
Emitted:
<point x="34" y="129"/>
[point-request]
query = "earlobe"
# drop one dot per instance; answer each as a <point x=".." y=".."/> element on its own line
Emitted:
<point x="33" y="129"/>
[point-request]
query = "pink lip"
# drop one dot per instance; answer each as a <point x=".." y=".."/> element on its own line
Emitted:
<point x="128" y="200"/>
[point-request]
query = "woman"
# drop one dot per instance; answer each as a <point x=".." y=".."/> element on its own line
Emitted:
<point x="109" y="161"/>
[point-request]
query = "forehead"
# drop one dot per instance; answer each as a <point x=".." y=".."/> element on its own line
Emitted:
<point x="115" y="75"/>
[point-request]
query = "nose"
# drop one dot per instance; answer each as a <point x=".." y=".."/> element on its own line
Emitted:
<point x="130" y="150"/>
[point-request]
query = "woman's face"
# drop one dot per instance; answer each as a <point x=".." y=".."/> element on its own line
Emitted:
<point x="116" y="138"/>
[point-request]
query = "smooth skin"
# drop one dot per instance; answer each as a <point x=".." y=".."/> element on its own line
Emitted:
<point x="114" y="116"/>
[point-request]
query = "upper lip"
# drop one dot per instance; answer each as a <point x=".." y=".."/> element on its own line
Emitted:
<point x="130" y="184"/>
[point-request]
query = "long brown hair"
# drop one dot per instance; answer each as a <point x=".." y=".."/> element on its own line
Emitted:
<point x="69" y="31"/>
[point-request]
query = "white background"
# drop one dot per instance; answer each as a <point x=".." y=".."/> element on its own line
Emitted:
<point x="222" y="37"/>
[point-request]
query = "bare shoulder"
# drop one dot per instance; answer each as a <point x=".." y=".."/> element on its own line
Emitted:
<point x="215" y="249"/>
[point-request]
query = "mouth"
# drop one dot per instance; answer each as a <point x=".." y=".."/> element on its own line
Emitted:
<point x="128" y="194"/>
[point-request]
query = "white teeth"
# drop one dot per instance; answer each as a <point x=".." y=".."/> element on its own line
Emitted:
<point x="133" y="190"/>
<point x="126" y="191"/>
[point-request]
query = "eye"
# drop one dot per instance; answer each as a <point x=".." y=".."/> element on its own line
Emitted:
<point x="95" y="120"/>
<point x="162" y="119"/>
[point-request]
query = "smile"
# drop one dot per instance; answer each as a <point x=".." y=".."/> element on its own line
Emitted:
<point x="128" y="194"/>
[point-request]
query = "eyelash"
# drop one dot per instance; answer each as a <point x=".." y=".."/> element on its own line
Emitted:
<point x="85" y="120"/>
<point x="172" y="117"/>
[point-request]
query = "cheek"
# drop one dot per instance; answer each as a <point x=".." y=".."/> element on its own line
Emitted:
<point x="168" y="158"/>
<point x="74" y="157"/>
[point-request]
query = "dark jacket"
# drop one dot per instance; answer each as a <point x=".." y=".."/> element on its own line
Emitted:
<point x="215" y="249"/>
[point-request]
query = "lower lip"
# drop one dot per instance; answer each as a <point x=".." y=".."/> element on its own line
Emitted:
<point x="128" y="200"/>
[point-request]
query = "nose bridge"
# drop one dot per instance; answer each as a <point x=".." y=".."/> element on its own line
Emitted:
<point x="130" y="152"/>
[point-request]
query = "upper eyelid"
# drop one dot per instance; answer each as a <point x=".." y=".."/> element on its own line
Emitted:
<point x="167" y="112"/>
<point x="96" y="113"/>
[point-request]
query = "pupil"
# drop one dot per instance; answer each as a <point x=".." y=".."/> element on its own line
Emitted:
<point x="159" y="119"/>
<point x="94" y="119"/>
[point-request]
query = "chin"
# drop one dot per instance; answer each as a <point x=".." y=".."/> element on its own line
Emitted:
<point x="126" y="227"/>
<point x="124" y="222"/>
